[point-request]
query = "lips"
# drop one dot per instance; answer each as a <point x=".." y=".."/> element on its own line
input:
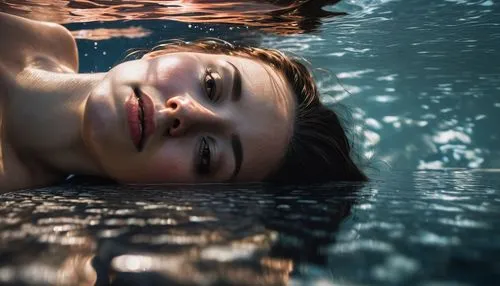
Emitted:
<point x="140" y="117"/>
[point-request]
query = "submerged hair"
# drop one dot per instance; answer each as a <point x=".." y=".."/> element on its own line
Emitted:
<point x="319" y="149"/>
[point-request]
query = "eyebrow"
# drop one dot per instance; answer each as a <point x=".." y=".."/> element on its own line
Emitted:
<point x="236" y="89"/>
<point x="238" y="155"/>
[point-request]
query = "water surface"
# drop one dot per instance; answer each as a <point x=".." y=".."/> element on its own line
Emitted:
<point x="420" y="228"/>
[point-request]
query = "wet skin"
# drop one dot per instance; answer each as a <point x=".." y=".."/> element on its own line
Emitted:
<point x="216" y="118"/>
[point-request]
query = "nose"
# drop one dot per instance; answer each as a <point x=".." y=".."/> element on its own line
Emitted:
<point x="185" y="114"/>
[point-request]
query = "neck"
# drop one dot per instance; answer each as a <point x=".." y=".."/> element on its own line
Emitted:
<point x="43" y="120"/>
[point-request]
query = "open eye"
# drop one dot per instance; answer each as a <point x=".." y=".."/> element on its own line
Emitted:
<point x="211" y="85"/>
<point x="203" y="162"/>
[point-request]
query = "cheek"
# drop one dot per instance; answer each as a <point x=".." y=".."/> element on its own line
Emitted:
<point x="166" y="66"/>
<point x="103" y="127"/>
<point x="175" y="76"/>
<point x="168" y="165"/>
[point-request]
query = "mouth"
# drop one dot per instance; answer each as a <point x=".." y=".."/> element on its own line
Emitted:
<point x="140" y="117"/>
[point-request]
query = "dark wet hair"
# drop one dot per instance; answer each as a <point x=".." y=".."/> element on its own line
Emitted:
<point x="319" y="150"/>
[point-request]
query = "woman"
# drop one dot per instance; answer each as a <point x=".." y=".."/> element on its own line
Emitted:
<point x="203" y="112"/>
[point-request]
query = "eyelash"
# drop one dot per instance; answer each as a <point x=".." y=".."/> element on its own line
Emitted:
<point x="203" y="165"/>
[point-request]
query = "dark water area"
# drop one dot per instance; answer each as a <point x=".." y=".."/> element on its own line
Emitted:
<point x="421" y="82"/>
<point x="420" y="228"/>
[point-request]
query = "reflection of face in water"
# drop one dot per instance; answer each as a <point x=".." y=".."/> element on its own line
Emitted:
<point x="271" y="234"/>
<point x="243" y="262"/>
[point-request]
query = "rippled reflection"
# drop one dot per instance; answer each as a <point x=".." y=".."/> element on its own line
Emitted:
<point x="106" y="34"/>
<point x="283" y="17"/>
<point x="210" y="235"/>
<point x="392" y="231"/>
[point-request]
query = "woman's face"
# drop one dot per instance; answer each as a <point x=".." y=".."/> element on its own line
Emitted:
<point x="190" y="117"/>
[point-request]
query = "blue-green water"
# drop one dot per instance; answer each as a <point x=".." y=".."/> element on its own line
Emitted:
<point x="423" y="79"/>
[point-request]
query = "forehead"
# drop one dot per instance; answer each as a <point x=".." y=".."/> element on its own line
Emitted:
<point x="263" y="117"/>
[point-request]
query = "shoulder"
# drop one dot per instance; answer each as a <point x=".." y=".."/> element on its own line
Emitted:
<point x="15" y="175"/>
<point x="24" y="40"/>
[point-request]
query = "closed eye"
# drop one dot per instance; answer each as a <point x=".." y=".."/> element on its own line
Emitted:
<point x="204" y="157"/>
